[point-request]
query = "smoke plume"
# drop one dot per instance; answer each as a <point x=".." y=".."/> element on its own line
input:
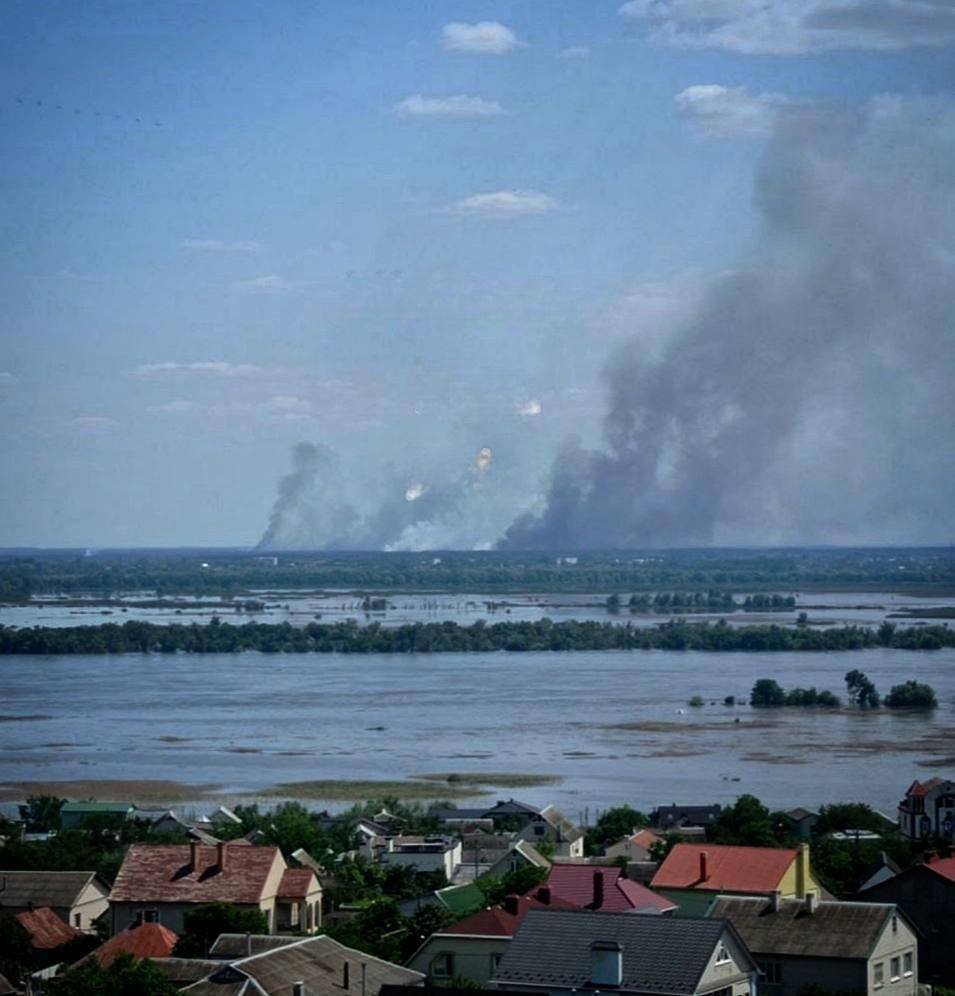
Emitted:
<point x="809" y="398"/>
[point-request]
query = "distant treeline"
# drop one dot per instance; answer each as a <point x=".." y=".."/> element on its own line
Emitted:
<point x="236" y="572"/>
<point x="677" y="602"/>
<point x="423" y="638"/>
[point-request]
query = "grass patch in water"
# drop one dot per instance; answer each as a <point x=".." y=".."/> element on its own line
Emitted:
<point x="496" y="779"/>
<point x="342" y="790"/>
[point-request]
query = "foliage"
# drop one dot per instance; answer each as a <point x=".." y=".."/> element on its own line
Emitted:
<point x="124" y="977"/>
<point x="41" y="813"/>
<point x="862" y="692"/>
<point x="422" y="638"/>
<point x="911" y="695"/>
<point x="379" y="929"/>
<point x="847" y="816"/>
<point x="750" y="823"/>
<point x="517" y="882"/>
<point x="611" y="825"/>
<point x="844" y="865"/>
<point x="767" y="693"/>
<point x="695" y="701"/>
<point x="203" y="924"/>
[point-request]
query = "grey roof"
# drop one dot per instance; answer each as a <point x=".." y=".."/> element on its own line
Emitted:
<point x="834" y="930"/>
<point x="182" y="971"/>
<point x="231" y="946"/>
<point x="561" y="824"/>
<point x="800" y="814"/>
<point x="511" y="807"/>
<point x="317" y="961"/>
<point x="57" y="889"/>
<point x="665" y="816"/>
<point x="661" y="954"/>
<point x="458" y="814"/>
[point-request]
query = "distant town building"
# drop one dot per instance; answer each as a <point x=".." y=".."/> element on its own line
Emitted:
<point x="928" y="809"/>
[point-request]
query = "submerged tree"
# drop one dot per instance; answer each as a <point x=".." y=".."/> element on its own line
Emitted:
<point x="862" y="692"/>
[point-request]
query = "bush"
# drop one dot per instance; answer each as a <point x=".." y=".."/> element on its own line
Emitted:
<point x="911" y="695"/>
<point x="696" y="702"/>
<point x="767" y="693"/>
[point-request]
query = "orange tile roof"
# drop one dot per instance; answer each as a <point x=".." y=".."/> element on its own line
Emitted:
<point x="728" y="868"/>
<point x="148" y="940"/>
<point x="163" y="873"/>
<point x="297" y="883"/>
<point x="645" y="839"/>
<point x="46" y="929"/>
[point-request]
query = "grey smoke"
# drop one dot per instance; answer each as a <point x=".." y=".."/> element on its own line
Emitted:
<point x="309" y="511"/>
<point x="810" y="397"/>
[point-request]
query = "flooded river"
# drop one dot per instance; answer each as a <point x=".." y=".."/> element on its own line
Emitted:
<point x="615" y="727"/>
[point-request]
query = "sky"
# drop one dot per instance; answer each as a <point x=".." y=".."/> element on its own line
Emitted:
<point x="460" y="273"/>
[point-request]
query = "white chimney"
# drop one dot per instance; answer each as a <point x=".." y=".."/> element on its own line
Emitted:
<point x="812" y="902"/>
<point x="606" y="963"/>
<point x="298" y="989"/>
<point x="776" y="900"/>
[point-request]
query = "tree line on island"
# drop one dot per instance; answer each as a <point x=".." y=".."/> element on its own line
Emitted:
<point x="700" y="601"/>
<point x="450" y="637"/>
<point x="862" y="693"/>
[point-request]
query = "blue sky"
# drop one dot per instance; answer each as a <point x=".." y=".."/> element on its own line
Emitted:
<point x="404" y="230"/>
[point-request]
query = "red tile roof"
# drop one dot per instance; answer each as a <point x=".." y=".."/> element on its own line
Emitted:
<point x="497" y="921"/>
<point x="297" y="883"/>
<point x="728" y="868"/>
<point x="576" y="884"/>
<point x="148" y="940"/>
<point x="943" y="866"/>
<point x="645" y="839"/>
<point x="916" y="788"/>
<point x="163" y="873"/>
<point x="46" y="929"/>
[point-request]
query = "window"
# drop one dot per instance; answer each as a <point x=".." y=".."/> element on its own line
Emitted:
<point x="878" y="974"/>
<point x="895" y="969"/>
<point x="77" y="919"/>
<point x="773" y="972"/>
<point x="495" y="960"/>
<point x="442" y="965"/>
<point x="907" y="962"/>
<point x="722" y="955"/>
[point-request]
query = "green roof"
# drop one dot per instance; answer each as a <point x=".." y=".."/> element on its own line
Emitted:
<point x="96" y="807"/>
<point x="462" y="899"/>
<point x="690" y="902"/>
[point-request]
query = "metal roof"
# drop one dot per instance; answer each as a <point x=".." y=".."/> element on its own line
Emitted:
<point x="57" y="889"/>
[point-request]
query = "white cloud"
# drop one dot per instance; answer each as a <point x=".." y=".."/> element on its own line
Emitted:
<point x="728" y="112"/>
<point x="483" y="38"/>
<point x="213" y="368"/>
<point x="504" y="204"/>
<point x="574" y="52"/>
<point x="793" y="27"/>
<point x="271" y="283"/>
<point x="529" y="408"/>
<point x="94" y="423"/>
<point x="217" y="245"/>
<point x="460" y="106"/>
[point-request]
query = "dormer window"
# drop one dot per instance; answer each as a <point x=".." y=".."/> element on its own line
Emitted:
<point x="722" y="955"/>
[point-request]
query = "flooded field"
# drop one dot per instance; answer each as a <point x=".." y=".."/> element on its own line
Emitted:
<point x="300" y="609"/>
<point x="611" y="727"/>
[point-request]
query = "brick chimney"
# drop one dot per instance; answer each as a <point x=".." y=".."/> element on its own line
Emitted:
<point x="511" y="904"/>
<point x="704" y="873"/>
<point x="598" y="890"/>
<point x="222" y="856"/>
<point x="543" y="895"/>
<point x="194" y="855"/>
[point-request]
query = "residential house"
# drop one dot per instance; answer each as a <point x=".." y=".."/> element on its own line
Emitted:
<point x="46" y="930"/>
<point x="682" y="817"/>
<point x="298" y="902"/>
<point x="472" y="948"/>
<point x="481" y="850"/>
<point x="460" y="900"/>
<point x="424" y="854"/>
<point x="928" y="809"/>
<point x="77" y="897"/>
<point x="863" y="947"/>
<point x="881" y="870"/>
<point x="637" y="846"/>
<point x="926" y="895"/>
<point x="692" y="874"/>
<point x="76" y="814"/>
<point x="505" y="814"/>
<point x="551" y="826"/>
<point x="563" y="952"/>
<point x="802" y="821"/>
<point x="161" y="820"/>
<point x="161" y="882"/>
<point x="520" y="855"/>
<point x="314" y="966"/>
<point x="604" y="888"/>
<point x="142" y="940"/>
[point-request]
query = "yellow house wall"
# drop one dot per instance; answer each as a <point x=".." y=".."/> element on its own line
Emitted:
<point x="799" y="878"/>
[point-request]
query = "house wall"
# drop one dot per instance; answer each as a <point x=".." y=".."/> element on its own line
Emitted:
<point x="123" y="915"/>
<point x="735" y="974"/>
<point x="92" y="902"/>
<point x="473" y="958"/>
<point x="426" y="861"/>
<point x="896" y="939"/>
<point x="798" y="878"/>
<point x="794" y="973"/>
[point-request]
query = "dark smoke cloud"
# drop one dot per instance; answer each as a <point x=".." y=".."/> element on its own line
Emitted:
<point x="810" y="397"/>
<point x="309" y="512"/>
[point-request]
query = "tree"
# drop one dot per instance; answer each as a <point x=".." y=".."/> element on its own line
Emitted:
<point x="124" y="977"/>
<point x="767" y="693"/>
<point x="203" y="924"/>
<point x="41" y="813"/>
<point x="848" y="816"/>
<point x="911" y="695"/>
<point x="746" y="822"/>
<point x="862" y="692"/>
<point x="612" y="824"/>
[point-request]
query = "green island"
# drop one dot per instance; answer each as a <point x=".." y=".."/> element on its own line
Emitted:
<point x="217" y="637"/>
